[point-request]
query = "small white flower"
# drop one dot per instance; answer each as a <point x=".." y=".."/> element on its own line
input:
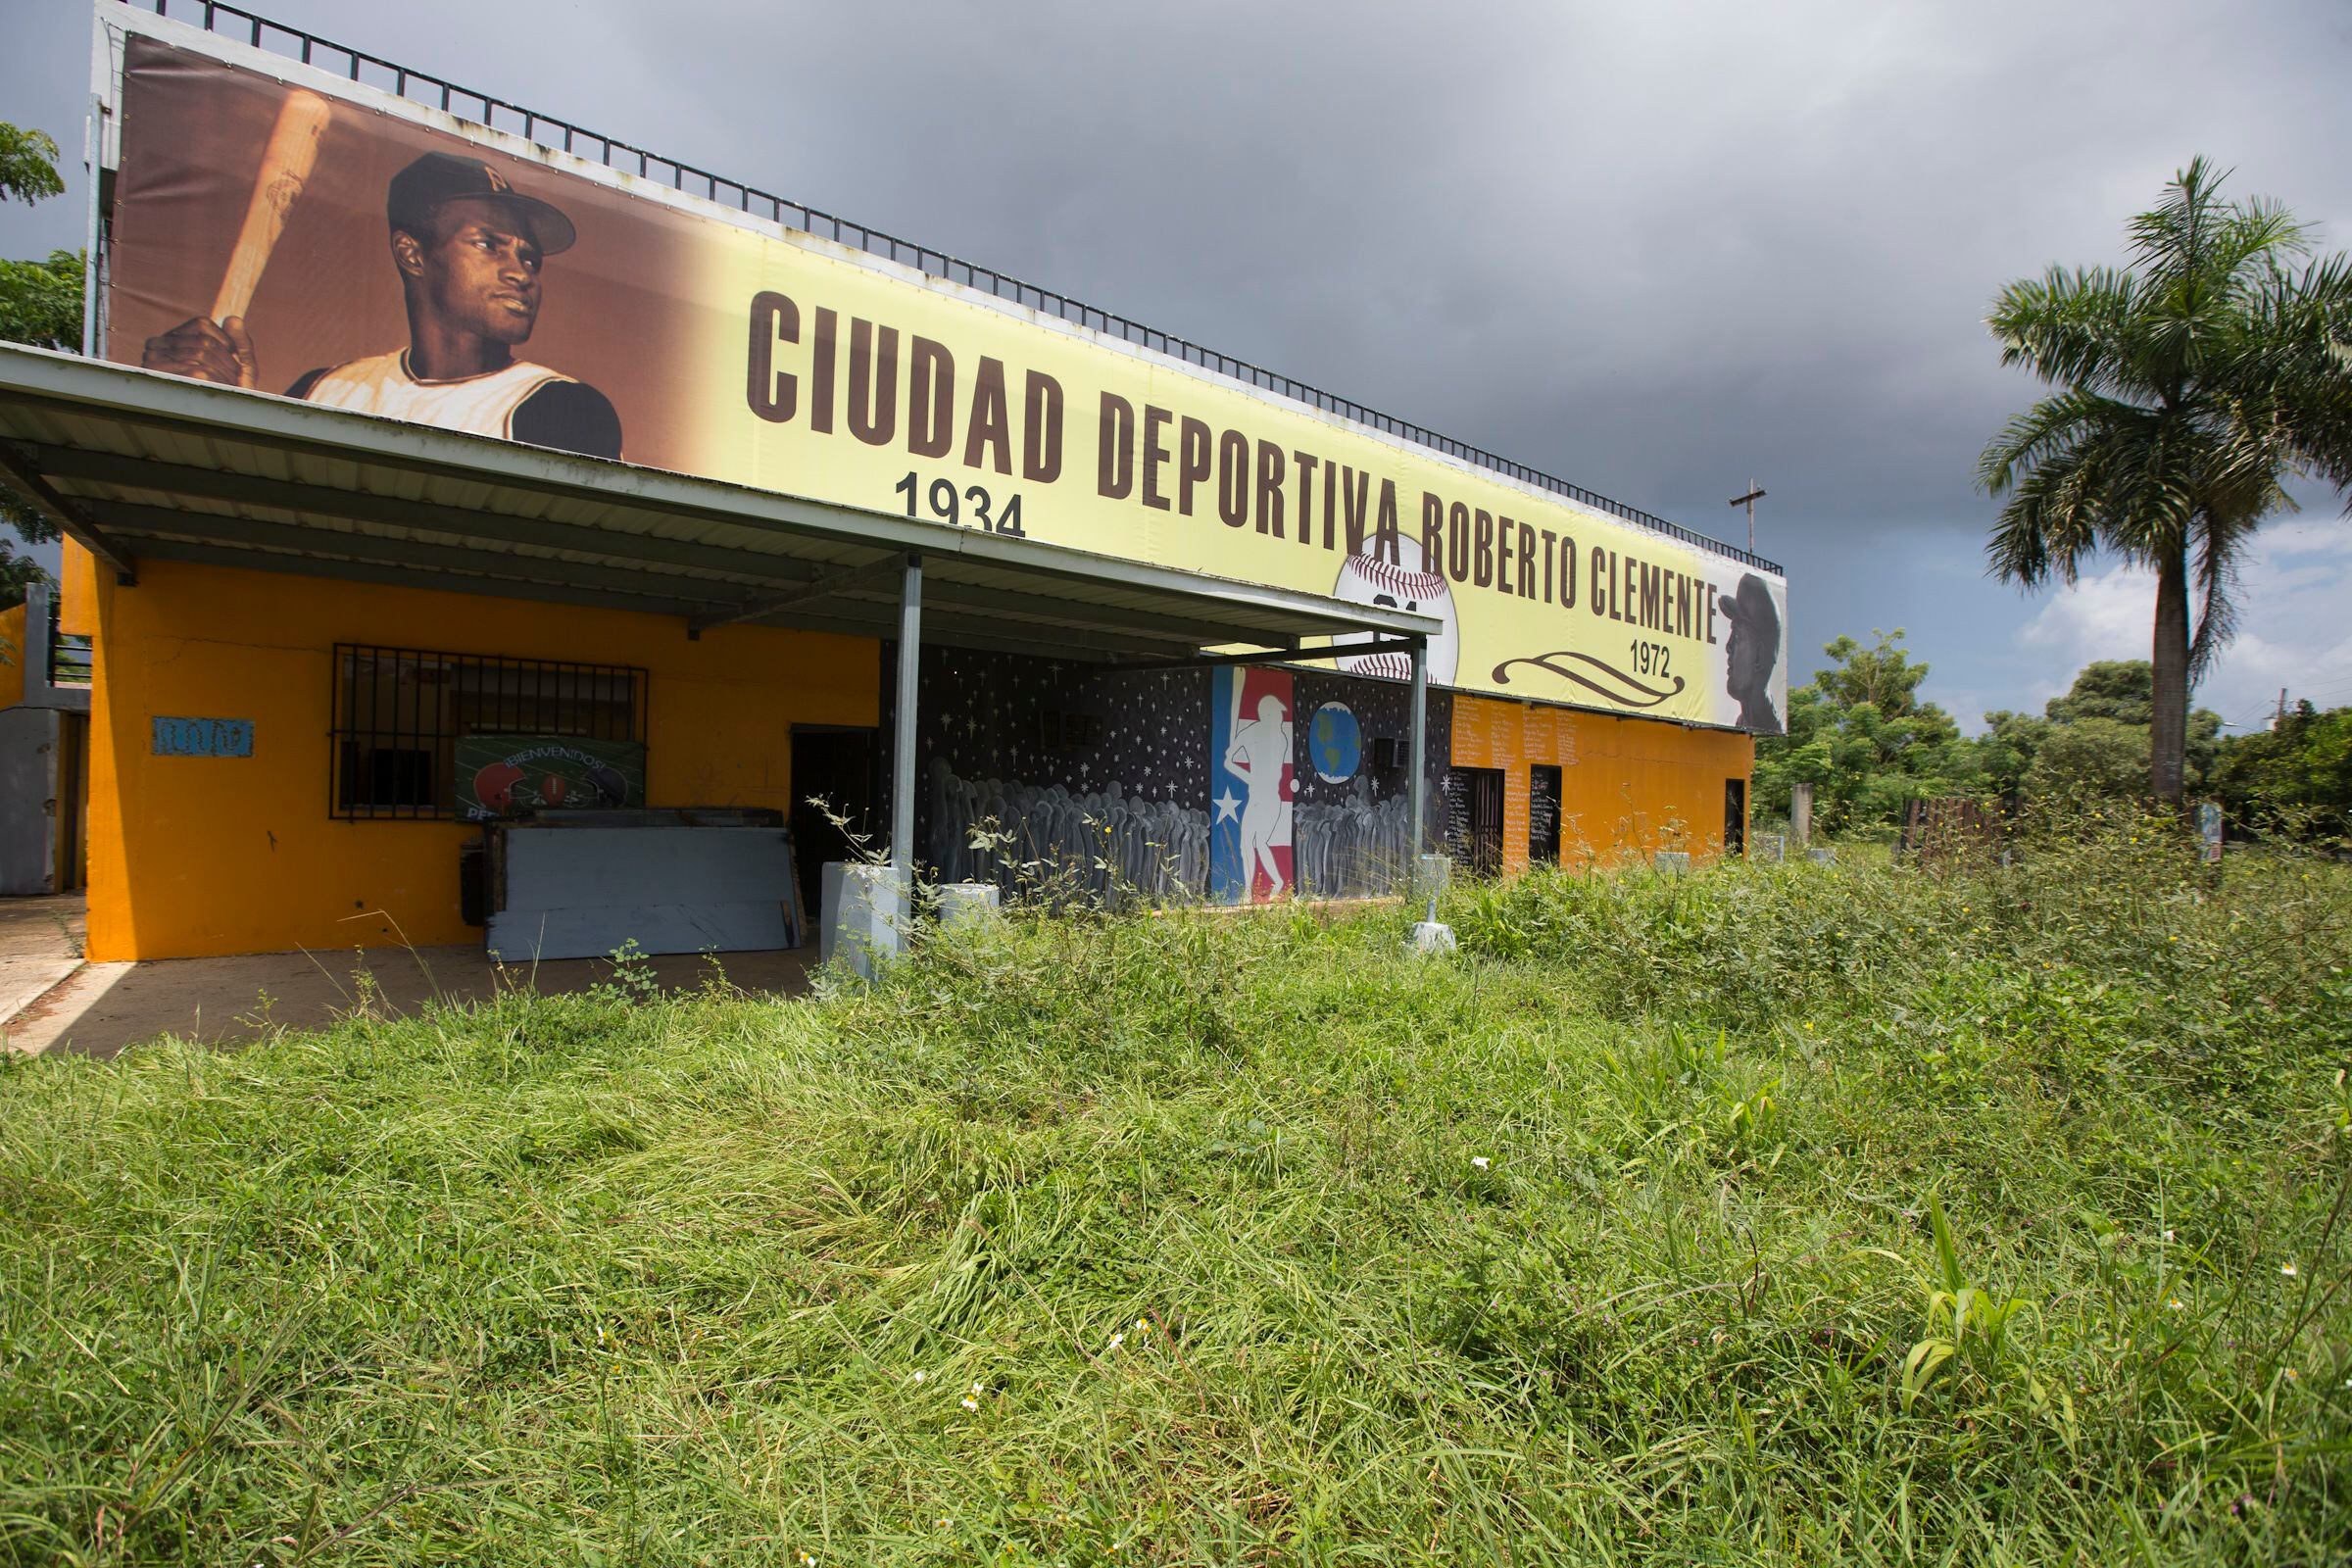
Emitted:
<point x="2175" y="1305"/>
<point x="2293" y="1374"/>
<point x="1117" y="1339"/>
<point x="970" y="1403"/>
<point x="977" y="1388"/>
<point x="2287" y="1269"/>
<point x="2168" y="1235"/>
<point x="1479" y="1161"/>
<point x="1141" y="1327"/>
<point x="921" y="1375"/>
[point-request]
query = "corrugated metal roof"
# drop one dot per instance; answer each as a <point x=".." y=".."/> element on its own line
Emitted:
<point x="150" y="466"/>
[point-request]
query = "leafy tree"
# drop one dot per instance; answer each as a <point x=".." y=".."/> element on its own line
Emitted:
<point x="2117" y="690"/>
<point x="2296" y="777"/>
<point x="2120" y="689"/>
<point x="17" y="573"/>
<point x="40" y="303"/>
<point x="1860" y="736"/>
<point x="2191" y="386"/>
<point x="2090" y="758"/>
<point x="2001" y="756"/>
<point x="1882" y="675"/>
<point x="28" y="166"/>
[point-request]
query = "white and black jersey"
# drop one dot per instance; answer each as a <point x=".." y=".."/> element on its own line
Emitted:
<point x="524" y="402"/>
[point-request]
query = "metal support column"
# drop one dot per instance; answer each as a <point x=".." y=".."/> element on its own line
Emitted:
<point x="1416" y="788"/>
<point x="902" y="755"/>
<point x="93" y="147"/>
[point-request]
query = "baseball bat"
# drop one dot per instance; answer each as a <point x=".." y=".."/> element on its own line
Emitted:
<point x="286" y="165"/>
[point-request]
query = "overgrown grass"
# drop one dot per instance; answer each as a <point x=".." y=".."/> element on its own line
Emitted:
<point x="1767" y="1214"/>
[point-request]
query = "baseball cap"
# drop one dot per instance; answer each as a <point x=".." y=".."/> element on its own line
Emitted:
<point x="439" y="177"/>
<point x="1752" y="605"/>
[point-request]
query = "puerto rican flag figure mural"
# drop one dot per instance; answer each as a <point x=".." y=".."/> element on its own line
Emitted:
<point x="1250" y="785"/>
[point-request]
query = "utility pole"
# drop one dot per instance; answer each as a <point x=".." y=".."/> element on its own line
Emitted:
<point x="1749" y="500"/>
<point x="2281" y="719"/>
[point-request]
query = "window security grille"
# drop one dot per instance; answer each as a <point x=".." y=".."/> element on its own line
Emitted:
<point x="399" y="713"/>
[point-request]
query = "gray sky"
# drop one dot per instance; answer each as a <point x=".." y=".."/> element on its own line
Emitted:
<point x="1655" y="249"/>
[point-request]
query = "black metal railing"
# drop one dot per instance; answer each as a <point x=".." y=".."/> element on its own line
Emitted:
<point x="230" y="22"/>
<point x="69" y="652"/>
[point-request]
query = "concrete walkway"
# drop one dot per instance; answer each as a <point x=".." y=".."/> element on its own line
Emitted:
<point x="50" y="999"/>
<point x="40" y="944"/>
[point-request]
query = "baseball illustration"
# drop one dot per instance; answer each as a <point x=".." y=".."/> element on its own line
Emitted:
<point x="1369" y="580"/>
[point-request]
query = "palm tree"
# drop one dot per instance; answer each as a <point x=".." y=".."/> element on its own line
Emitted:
<point x="2193" y="385"/>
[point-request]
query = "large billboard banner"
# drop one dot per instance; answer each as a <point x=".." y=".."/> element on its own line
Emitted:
<point x="277" y="228"/>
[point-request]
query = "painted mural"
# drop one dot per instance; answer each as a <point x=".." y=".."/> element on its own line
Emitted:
<point x="1252" y="761"/>
<point x="1087" y="780"/>
<point x="1106" y="843"/>
<point x="1109" y="784"/>
<point x="1370" y="580"/>
<point x="1351" y="830"/>
<point x="1352" y="848"/>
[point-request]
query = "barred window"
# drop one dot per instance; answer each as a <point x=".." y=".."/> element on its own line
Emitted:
<point x="399" y="714"/>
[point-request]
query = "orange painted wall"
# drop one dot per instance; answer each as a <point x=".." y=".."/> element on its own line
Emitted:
<point x="1628" y="786"/>
<point x="201" y="856"/>
<point x="11" y="650"/>
<point x="77" y="591"/>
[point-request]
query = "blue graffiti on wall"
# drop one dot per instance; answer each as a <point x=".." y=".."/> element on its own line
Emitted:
<point x="203" y="737"/>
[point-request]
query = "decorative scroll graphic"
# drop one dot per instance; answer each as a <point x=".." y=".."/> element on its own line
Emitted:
<point x="1615" y="685"/>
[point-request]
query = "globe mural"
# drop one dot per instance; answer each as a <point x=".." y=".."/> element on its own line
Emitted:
<point x="1334" y="744"/>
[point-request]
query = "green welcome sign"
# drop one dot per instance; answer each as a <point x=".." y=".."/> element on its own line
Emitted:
<point x="503" y="776"/>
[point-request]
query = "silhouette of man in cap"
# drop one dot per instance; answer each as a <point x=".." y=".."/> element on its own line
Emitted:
<point x="1750" y="653"/>
<point x="470" y="248"/>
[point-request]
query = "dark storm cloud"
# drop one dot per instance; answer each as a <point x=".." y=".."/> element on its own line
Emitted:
<point x="1654" y="249"/>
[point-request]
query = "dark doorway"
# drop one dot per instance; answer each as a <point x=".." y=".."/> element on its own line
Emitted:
<point x="1474" y="818"/>
<point x="1542" y="815"/>
<point x="1735" y="816"/>
<point x="842" y="767"/>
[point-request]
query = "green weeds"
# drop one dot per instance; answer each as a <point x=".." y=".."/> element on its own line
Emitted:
<point x="1994" y="1213"/>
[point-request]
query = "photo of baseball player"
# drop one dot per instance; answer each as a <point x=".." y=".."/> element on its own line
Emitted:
<point x="469" y="251"/>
